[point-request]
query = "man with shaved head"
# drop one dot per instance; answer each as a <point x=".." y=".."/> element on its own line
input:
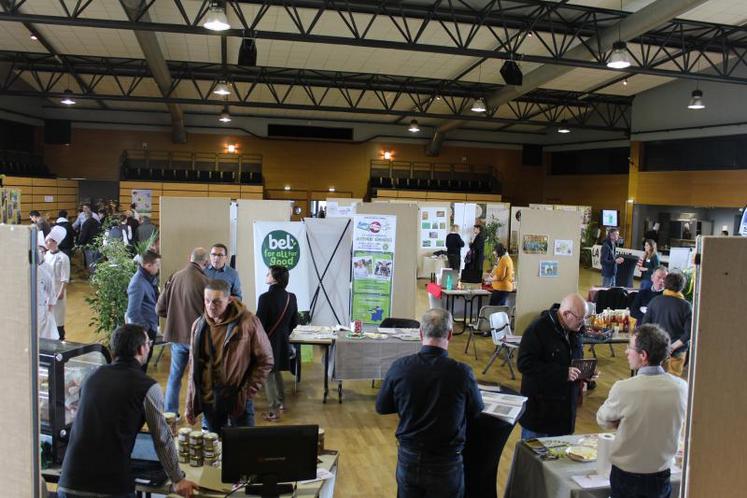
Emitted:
<point x="181" y="303"/>
<point x="549" y="381"/>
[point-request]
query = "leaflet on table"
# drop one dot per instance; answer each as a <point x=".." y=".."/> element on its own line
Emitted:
<point x="507" y="407"/>
<point x="373" y="267"/>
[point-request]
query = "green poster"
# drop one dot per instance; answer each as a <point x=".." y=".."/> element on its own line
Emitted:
<point x="373" y="266"/>
<point x="372" y="272"/>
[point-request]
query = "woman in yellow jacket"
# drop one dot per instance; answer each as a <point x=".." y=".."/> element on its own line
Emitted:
<point x="502" y="276"/>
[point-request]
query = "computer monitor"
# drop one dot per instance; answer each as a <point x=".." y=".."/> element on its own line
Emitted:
<point x="445" y="274"/>
<point x="609" y="217"/>
<point x="269" y="455"/>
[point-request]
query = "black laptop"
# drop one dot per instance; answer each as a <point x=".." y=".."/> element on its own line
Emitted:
<point x="146" y="468"/>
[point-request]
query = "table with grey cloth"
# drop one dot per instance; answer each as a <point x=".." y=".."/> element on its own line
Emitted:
<point x="532" y="477"/>
<point x="364" y="359"/>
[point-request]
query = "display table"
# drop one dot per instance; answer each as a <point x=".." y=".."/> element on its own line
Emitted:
<point x="314" y="336"/>
<point x="208" y="478"/>
<point x="364" y="359"/>
<point x="468" y="295"/>
<point x="532" y="477"/>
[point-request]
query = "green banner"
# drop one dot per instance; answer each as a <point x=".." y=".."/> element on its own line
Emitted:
<point x="373" y="266"/>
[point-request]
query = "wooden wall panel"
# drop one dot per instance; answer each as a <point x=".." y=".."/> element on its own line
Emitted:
<point x="18" y="412"/>
<point x="715" y="457"/>
<point x="63" y="194"/>
<point x="693" y="188"/>
<point x="316" y="166"/>
<point x="598" y="191"/>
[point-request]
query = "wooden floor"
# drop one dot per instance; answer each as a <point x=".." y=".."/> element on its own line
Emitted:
<point x="365" y="439"/>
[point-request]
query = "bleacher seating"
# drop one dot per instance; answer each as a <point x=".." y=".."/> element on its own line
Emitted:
<point x="191" y="167"/>
<point x="15" y="163"/>
<point x="402" y="175"/>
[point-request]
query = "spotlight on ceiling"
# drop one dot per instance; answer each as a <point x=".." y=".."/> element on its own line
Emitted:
<point x="414" y="128"/>
<point x="222" y="89"/>
<point x="33" y="37"/>
<point x="512" y="73"/>
<point x="287" y="187"/>
<point x="248" y="53"/>
<point x="67" y="98"/>
<point x="215" y="19"/>
<point x="478" y="105"/>
<point x="696" y="100"/>
<point x="625" y="82"/>
<point x="563" y="128"/>
<point x="619" y="58"/>
<point x="225" y="117"/>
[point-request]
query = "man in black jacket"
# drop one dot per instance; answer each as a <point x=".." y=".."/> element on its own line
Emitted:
<point x="674" y="314"/>
<point x="454" y="244"/>
<point x="88" y="232"/>
<point x="609" y="259"/>
<point x="115" y="401"/>
<point x="644" y="296"/>
<point x="67" y="244"/>
<point x="549" y="381"/>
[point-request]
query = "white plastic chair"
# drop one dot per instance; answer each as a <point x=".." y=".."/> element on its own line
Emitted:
<point x="505" y="342"/>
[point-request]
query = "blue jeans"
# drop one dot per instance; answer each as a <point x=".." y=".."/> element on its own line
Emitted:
<point x="179" y="359"/>
<point x="214" y="421"/>
<point x="530" y="434"/>
<point x="608" y="281"/>
<point x="629" y="485"/>
<point x="499" y="298"/>
<point x="422" y="475"/>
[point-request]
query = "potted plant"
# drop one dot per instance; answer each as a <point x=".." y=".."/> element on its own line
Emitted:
<point x="492" y="227"/>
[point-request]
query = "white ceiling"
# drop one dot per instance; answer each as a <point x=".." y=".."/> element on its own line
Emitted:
<point x="201" y="48"/>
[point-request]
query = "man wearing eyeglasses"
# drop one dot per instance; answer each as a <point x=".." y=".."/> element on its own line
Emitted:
<point x="553" y="386"/>
<point x="219" y="269"/>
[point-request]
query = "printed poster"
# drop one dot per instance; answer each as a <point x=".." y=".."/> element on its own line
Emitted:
<point x="534" y="244"/>
<point x="335" y="210"/>
<point x="373" y="267"/>
<point x="283" y="243"/>
<point x="563" y="247"/>
<point x="433" y="227"/>
<point x="10" y="206"/>
<point x="143" y="200"/>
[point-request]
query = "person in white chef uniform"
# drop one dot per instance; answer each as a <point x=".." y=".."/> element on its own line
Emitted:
<point x="59" y="265"/>
<point x="45" y="298"/>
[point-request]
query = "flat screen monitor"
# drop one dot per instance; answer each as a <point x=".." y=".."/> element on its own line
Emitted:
<point x="609" y="217"/>
<point x="269" y="455"/>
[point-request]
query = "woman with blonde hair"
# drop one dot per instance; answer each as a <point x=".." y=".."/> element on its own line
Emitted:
<point x="648" y="263"/>
<point x="501" y="279"/>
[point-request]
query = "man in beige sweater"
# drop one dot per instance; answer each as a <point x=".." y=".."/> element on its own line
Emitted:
<point x="647" y="410"/>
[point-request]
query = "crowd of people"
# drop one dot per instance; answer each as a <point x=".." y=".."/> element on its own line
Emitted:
<point x="230" y="354"/>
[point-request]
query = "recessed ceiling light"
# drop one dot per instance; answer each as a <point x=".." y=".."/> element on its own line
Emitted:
<point x="287" y="187"/>
<point x="33" y="37"/>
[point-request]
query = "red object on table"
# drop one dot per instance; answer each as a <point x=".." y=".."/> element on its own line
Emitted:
<point x="434" y="290"/>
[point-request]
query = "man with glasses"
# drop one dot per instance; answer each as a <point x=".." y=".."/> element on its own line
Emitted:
<point x="647" y="411"/>
<point x="553" y="386"/>
<point x="115" y="401"/>
<point x="219" y="269"/>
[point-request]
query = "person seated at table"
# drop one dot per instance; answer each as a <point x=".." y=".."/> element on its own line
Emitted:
<point x="548" y="346"/>
<point x="434" y="396"/>
<point x="648" y="263"/>
<point x="673" y="314"/>
<point x="501" y="279"/>
<point x="644" y="296"/>
<point x="115" y="401"/>
<point x="647" y="410"/>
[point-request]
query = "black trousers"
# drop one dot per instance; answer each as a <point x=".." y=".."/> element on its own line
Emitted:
<point x="455" y="261"/>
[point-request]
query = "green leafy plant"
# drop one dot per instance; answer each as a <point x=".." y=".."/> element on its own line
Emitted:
<point x="491" y="238"/>
<point x="142" y="246"/>
<point x="109" y="282"/>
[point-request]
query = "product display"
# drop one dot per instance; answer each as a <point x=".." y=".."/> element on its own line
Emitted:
<point x="63" y="366"/>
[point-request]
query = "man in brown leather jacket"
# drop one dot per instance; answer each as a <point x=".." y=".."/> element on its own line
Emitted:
<point x="229" y="361"/>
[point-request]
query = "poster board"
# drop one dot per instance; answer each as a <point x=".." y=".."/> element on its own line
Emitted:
<point x="373" y="267"/>
<point x="189" y="222"/>
<point x="283" y="244"/>
<point x="341" y="207"/>
<point x="19" y="357"/>
<point x="544" y="277"/>
<point x="717" y="402"/>
<point x="323" y="235"/>
<point x="405" y="282"/>
<point x="249" y="211"/>
<point x="10" y="206"/>
<point x="143" y="200"/>
<point x="434" y="226"/>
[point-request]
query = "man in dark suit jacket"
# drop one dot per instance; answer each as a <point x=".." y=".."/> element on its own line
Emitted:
<point x="644" y="296"/>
